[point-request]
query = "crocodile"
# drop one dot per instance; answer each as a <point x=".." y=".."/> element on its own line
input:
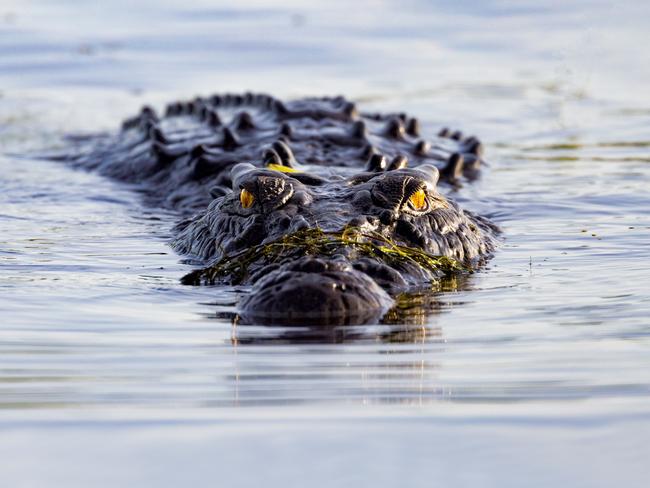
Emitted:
<point x="326" y="213"/>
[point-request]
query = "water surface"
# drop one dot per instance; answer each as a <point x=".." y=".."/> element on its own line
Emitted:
<point x="536" y="372"/>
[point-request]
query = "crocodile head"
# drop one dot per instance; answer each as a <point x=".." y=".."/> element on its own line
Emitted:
<point x="314" y="236"/>
<point x="330" y="250"/>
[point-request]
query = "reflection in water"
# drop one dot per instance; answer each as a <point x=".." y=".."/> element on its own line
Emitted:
<point x="510" y="375"/>
<point x="93" y="311"/>
<point x="391" y="362"/>
<point x="314" y="334"/>
<point x="387" y="364"/>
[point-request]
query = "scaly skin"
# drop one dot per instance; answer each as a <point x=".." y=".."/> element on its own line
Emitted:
<point x="250" y="172"/>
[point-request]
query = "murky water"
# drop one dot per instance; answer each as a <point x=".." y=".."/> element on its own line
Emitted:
<point x="536" y="374"/>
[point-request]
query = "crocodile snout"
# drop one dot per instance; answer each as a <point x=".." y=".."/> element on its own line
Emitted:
<point x="314" y="290"/>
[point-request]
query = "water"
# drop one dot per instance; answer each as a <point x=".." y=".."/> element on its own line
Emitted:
<point x="537" y="373"/>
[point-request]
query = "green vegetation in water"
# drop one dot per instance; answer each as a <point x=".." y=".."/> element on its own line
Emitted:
<point x="412" y="307"/>
<point x="319" y="243"/>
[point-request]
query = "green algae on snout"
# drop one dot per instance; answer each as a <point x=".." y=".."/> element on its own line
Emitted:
<point x="318" y="243"/>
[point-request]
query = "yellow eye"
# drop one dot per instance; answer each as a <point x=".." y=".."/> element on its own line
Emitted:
<point x="246" y="198"/>
<point x="281" y="168"/>
<point x="418" y="200"/>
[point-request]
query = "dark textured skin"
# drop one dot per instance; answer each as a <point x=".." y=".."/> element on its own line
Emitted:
<point x="350" y="171"/>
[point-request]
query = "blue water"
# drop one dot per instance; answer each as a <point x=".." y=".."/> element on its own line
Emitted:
<point x="536" y="373"/>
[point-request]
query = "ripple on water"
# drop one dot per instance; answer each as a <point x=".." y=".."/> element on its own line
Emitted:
<point x="539" y="359"/>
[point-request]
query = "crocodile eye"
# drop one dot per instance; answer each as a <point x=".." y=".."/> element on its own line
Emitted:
<point x="246" y="198"/>
<point x="418" y="201"/>
<point x="264" y="193"/>
<point x="421" y="202"/>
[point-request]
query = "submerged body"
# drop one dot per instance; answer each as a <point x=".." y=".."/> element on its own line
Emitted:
<point x="326" y="212"/>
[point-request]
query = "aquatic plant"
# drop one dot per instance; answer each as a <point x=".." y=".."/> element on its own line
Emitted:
<point x="319" y="243"/>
